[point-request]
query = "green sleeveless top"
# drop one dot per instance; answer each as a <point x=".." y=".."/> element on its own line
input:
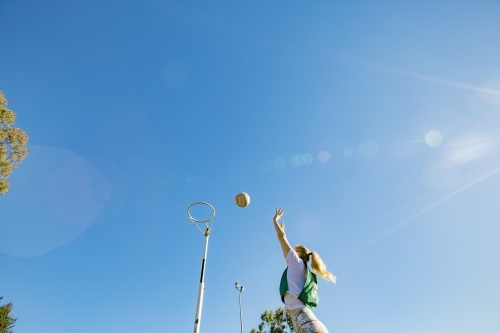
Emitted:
<point x="308" y="295"/>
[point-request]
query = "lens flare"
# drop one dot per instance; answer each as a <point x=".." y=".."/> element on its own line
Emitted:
<point x="348" y="152"/>
<point x="434" y="139"/>
<point x="323" y="156"/>
<point x="296" y="161"/>
<point x="307" y="159"/>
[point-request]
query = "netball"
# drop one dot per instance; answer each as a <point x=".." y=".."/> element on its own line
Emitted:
<point x="242" y="199"/>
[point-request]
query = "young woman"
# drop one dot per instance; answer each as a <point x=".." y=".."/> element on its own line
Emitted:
<point x="298" y="287"/>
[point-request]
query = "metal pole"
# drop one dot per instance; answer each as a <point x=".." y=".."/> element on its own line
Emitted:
<point x="241" y="317"/>
<point x="199" y="304"/>
<point x="240" y="289"/>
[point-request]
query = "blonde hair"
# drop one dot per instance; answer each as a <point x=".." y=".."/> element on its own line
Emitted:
<point x="317" y="264"/>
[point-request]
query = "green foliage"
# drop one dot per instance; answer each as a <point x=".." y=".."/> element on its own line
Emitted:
<point x="12" y="144"/>
<point x="274" y="322"/>
<point x="6" y="320"/>
<point x="4" y="186"/>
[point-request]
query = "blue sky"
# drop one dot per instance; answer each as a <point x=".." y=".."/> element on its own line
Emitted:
<point x="374" y="124"/>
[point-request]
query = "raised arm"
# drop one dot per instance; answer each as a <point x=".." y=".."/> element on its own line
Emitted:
<point x="280" y="231"/>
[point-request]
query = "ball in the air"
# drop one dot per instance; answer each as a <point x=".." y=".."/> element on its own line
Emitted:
<point x="242" y="199"/>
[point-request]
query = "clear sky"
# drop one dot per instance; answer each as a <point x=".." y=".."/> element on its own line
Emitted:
<point x="375" y="124"/>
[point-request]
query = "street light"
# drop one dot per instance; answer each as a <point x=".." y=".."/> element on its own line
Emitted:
<point x="240" y="289"/>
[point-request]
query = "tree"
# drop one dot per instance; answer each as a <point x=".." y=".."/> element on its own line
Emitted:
<point x="6" y="321"/>
<point x="12" y="144"/>
<point x="275" y="322"/>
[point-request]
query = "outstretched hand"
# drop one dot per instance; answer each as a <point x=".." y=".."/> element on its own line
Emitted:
<point x="277" y="216"/>
<point x="280" y="231"/>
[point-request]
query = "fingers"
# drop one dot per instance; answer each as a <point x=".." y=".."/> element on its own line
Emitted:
<point x="279" y="213"/>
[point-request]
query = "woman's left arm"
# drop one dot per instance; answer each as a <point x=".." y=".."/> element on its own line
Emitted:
<point x="280" y="232"/>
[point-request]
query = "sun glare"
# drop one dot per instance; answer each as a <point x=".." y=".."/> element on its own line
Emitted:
<point x="434" y="139"/>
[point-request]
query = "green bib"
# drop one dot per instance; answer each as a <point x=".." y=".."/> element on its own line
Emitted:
<point x="308" y="295"/>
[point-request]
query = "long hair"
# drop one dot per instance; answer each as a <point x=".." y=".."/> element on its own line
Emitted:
<point x="317" y="264"/>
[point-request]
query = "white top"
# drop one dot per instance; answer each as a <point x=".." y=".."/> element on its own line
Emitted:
<point x="296" y="278"/>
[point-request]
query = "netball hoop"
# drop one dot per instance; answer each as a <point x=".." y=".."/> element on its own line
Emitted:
<point x="208" y="226"/>
<point x="208" y="223"/>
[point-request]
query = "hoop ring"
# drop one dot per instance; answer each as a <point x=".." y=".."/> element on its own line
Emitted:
<point x="201" y="221"/>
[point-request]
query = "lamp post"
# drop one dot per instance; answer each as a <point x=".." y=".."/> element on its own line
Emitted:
<point x="207" y="225"/>
<point x="240" y="290"/>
